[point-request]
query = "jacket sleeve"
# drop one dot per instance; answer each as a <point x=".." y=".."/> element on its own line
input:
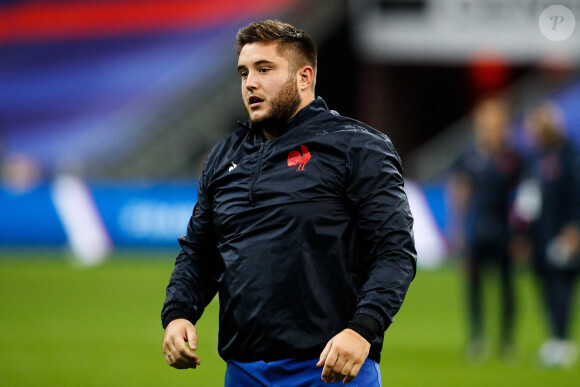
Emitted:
<point x="384" y="226"/>
<point x="198" y="267"/>
<point x="574" y="190"/>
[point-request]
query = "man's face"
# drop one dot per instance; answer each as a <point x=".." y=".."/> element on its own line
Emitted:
<point x="491" y="121"/>
<point x="269" y="89"/>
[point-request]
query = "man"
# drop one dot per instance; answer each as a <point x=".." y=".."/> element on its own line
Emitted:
<point x="553" y="184"/>
<point x="302" y="225"/>
<point x="483" y="183"/>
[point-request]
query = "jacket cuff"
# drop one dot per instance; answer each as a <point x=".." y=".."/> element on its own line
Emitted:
<point x="366" y="326"/>
<point x="174" y="315"/>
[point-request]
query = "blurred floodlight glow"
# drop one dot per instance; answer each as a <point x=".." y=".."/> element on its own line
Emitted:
<point x="455" y="30"/>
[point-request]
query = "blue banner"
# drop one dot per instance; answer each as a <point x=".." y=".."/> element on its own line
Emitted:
<point x="136" y="214"/>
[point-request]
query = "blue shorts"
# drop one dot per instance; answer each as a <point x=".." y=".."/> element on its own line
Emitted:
<point x="292" y="373"/>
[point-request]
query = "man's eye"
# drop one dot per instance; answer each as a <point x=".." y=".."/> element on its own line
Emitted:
<point x="244" y="75"/>
<point x="264" y="70"/>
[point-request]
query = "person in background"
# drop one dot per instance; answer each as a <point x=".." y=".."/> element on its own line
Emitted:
<point x="482" y="184"/>
<point x="549" y="201"/>
<point x="302" y="226"/>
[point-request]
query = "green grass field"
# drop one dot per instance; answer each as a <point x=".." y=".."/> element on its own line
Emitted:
<point x="63" y="325"/>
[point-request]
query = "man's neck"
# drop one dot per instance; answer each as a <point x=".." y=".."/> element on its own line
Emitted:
<point x="272" y="134"/>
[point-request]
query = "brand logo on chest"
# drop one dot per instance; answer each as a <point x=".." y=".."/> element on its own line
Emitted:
<point x="295" y="158"/>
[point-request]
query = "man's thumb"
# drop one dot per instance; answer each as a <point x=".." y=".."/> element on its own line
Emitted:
<point x="191" y="337"/>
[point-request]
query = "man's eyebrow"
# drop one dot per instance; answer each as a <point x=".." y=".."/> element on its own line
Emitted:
<point x="263" y="61"/>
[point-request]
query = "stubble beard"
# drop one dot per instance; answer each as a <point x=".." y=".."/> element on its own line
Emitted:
<point x="282" y="106"/>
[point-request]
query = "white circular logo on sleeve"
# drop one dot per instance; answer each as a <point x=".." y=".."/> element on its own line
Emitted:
<point x="557" y="23"/>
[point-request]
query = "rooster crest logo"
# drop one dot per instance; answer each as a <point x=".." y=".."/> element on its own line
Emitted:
<point x="295" y="158"/>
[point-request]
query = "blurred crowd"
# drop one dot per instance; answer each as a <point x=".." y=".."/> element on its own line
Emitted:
<point x="514" y="205"/>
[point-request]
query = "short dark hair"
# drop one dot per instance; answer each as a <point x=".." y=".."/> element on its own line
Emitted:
<point x="288" y="36"/>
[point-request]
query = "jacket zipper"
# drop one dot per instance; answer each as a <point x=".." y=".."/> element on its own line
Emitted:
<point x="257" y="172"/>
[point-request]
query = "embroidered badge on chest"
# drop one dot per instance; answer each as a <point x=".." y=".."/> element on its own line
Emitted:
<point x="295" y="158"/>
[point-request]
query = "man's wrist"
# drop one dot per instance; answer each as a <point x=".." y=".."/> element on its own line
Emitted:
<point x="174" y="315"/>
<point x="366" y="326"/>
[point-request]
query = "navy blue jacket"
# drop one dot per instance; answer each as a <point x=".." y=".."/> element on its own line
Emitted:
<point x="299" y="235"/>
<point x="493" y="179"/>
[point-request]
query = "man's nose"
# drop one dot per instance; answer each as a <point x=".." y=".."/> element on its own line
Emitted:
<point x="251" y="83"/>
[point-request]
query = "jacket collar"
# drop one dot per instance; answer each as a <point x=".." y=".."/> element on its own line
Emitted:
<point x="313" y="108"/>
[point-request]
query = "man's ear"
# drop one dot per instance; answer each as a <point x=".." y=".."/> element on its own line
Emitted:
<point x="305" y="77"/>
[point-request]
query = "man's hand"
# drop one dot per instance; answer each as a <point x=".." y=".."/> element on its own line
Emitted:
<point x="570" y="237"/>
<point x="177" y="353"/>
<point x="343" y="357"/>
